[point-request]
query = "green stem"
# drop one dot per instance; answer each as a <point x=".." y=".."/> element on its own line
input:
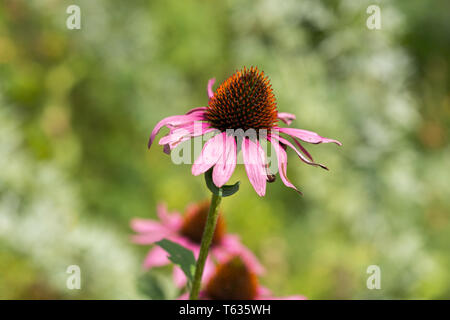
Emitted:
<point x="207" y="237"/>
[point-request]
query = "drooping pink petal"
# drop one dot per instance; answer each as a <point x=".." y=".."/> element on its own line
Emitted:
<point x="227" y="162"/>
<point x="307" y="136"/>
<point x="286" y="117"/>
<point x="195" y="110"/>
<point x="231" y="245"/>
<point x="210" y="90"/>
<point x="176" y="135"/>
<point x="175" y="121"/>
<point x="156" y="257"/>
<point x="253" y="156"/>
<point x="282" y="162"/>
<point x="300" y="146"/>
<point x="186" y="132"/>
<point x="303" y="158"/>
<point x="187" y="124"/>
<point x="212" y="150"/>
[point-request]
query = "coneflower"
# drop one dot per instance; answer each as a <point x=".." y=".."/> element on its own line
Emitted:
<point x="187" y="230"/>
<point x="234" y="279"/>
<point x="242" y="112"/>
<point x="245" y="101"/>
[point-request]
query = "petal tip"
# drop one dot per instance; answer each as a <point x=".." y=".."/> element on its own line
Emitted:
<point x="261" y="193"/>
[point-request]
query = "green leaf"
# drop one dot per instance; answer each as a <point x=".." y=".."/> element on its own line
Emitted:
<point x="181" y="256"/>
<point x="224" y="191"/>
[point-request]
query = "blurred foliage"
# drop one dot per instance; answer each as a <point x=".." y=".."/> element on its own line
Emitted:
<point x="77" y="107"/>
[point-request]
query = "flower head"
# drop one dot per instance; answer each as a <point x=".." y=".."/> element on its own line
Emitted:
<point x="187" y="231"/>
<point x="244" y="101"/>
<point x="234" y="279"/>
<point x="243" y="112"/>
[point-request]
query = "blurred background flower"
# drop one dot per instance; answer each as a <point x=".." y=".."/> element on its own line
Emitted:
<point x="76" y="108"/>
<point x="187" y="231"/>
<point x="234" y="279"/>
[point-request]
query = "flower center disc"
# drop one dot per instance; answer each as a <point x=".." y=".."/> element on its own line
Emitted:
<point x="244" y="101"/>
<point x="195" y="220"/>
<point x="232" y="281"/>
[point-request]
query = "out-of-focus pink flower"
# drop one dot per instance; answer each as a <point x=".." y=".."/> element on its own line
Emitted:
<point x="187" y="231"/>
<point x="234" y="279"/>
<point x="244" y="102"/>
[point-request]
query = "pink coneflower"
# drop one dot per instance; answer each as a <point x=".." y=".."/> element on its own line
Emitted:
<point x="234" y="279"/>
<point x="243" y="102"/>
<point x="187" y="231"/>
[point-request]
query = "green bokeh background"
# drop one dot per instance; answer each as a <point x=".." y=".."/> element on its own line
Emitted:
<point x="77" y="107"/>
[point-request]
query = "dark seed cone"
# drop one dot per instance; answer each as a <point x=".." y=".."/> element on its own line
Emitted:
<point x="195" y="220"/>
<point x="232" y="281"/>
<point x="244" y="101"/>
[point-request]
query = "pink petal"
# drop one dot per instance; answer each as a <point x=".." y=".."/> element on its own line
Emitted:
<point x="156" y="257"/>
<point x="184" y="133"/>
<point x="210" y="84"/>
<point x="198" y="109"/>
<point x="286" y="117"/>
<point x="253" y="156"/>
<point x="307" y="136"/>
<point x="300" y="146"/>
<point x="263" y="291"/>
<point x="208" y="271"/>
<point x="146" y="225"/>
<point x="178" y="277"/>
<point x="175" y="121"/>
<point x="175" y="136"/>
<point x="172" y="220"/>
<point x="149" y="238"/>
<point x="227" y="162"/>
<point x="150" y="231"/>
<point x="212" y="150"/>
<point x="282" y="162"/>
<point x="305" y="160"/>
